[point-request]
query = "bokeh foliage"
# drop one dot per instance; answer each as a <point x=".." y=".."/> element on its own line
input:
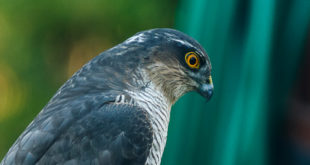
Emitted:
<point x="255" y="48"/>
<point x="42" y="43"/>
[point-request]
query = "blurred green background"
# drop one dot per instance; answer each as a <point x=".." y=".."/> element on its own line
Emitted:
<point x="259" y="49"/>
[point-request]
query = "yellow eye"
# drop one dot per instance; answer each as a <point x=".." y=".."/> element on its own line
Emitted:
<point x="192" y="60"/>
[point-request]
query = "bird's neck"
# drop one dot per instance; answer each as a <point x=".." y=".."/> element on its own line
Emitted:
<point x="158" y="107"/>
<point x="153" y="101"/>
<point x="172" y="85"/>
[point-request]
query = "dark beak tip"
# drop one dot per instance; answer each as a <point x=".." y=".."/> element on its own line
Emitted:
<point x="210" y="94"/>
<point x="206" y="90"/>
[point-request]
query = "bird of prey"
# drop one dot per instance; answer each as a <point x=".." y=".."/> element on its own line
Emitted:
<point x="115" y="110"/>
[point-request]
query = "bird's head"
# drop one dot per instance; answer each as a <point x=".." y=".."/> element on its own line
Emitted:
<point x="175" y="62"/>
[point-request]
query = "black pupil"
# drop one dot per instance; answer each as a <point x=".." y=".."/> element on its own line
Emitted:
<point x="192" y="60"/>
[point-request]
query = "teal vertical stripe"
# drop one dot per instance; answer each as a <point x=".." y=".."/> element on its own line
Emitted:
<point x="240" y="37"/>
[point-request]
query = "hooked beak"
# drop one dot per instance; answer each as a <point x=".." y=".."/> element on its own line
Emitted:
<point x="206" y="89"/>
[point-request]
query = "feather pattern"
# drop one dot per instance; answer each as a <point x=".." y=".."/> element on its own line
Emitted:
<point x="115" y="110"/>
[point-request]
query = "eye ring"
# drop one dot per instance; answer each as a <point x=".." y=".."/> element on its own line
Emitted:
<point x="192" y="60"/>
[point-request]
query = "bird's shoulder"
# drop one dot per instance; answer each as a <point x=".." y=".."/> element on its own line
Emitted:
<point x="115" y="132"/>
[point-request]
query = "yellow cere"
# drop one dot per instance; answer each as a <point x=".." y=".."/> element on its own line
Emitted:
<point x="210" y="80"/>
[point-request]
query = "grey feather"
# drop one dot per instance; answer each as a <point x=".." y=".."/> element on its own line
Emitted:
<point x="115" y="110"/>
